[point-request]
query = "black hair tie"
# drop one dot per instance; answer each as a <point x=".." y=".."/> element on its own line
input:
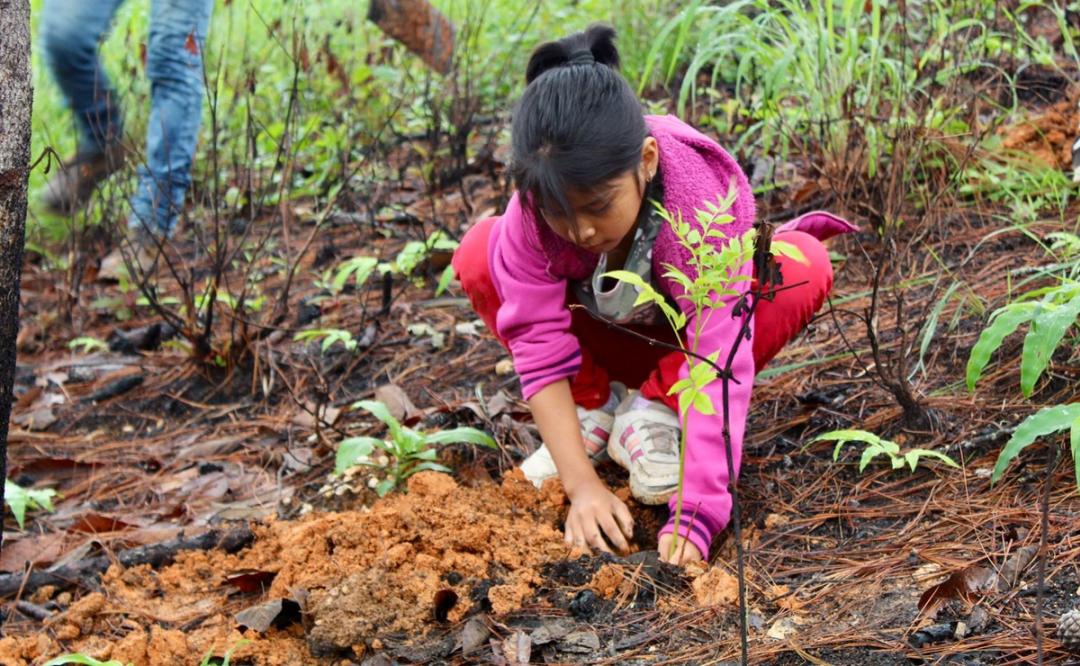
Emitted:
<point x="583" y="57"/>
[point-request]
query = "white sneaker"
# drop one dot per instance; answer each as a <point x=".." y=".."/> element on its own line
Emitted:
<point x="595" y="430"/>
<point x="645" y="440"/>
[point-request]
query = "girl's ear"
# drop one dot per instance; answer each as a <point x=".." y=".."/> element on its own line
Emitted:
<point x="650" y="157"/>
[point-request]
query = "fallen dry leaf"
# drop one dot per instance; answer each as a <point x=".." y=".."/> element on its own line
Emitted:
<point x="36" y="419"/>
<point x="42" y="550"/>
<point x="965" y="585"/>
<point x="517" y="648"/>
<point x="251" y="580"/>
<point x="474" y="635"/>
<point x="775" y="520"/>
<point x="94" y="523"/>
<point x="396" y="401"/>
<point x="785" y="627"/>
<point x="276" y="612"/>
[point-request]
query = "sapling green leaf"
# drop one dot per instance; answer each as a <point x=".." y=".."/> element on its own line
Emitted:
<point x="1065" y="242"/>
<point x="1002" y="323"/>
<point x="712" y="272"/>
<point x="1046" y="421"/>
<point x="88" y="344"/>
<point x="380" y="411"/>
<point x="785" y="249"/>
<point x="20" y="499"/>
<point x="207" y="659"/>
<point x="329" y="337"/>
<point x="354" y="451"/>
<point x="703" y="404"/>
<point x="359" y="268"/>
<point x="444" y="280"/>
<point x="631" y="278"/>
<point x="868" y="454"/>
<point x="1047" y="330"/>
<point x="930" y="328"/>
<point x="877" y="446"/>
<point x="842" y="437"/>
<point x="431" y="467"/>
<point x="912" y="457"/>
<point x="426" y="454"/>
<point x="461" y="435"/>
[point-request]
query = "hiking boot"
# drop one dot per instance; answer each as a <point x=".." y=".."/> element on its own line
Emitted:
<point x="645" y="440"/>
<point x="141" y="254"/>
<point x="70" y="188"/>
<point x="595" y="430"/>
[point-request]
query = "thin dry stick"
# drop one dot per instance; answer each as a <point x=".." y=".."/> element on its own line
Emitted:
<point x="1044" y="527"/>
<point x="744" y="333"/>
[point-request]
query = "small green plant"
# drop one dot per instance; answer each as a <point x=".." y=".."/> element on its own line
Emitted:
<point x="411" y="451"/>
<point x="713" y="273"/>
<point x="358" y="268"/>
<point x="876" y="446"/>
<point x="88" y="344"/>
<point x="20" y="499"/>
<point x="329" y="337"/>
<point x="79" y="658"/>
<point x="415" y="252"/>
<point x="1046" y="421"/>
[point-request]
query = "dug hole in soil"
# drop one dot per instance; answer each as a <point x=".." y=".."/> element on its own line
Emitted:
<point x="435" y="554"/>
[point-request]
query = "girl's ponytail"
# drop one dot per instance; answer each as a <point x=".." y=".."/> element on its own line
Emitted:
<point x="594" y="46"/>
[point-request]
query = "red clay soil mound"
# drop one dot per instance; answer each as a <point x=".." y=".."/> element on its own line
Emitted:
<point x="1046" y="138"/>
<point x="358" y="575"/>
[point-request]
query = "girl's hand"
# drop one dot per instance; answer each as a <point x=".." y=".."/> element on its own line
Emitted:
<point x="684" y="552"/>
<point x="595" y="512"/>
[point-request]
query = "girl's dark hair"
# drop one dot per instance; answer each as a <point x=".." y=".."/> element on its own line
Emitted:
<point x="578" y="124"/>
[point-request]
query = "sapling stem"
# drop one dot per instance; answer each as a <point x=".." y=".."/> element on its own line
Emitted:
<point x="745" y="307"/>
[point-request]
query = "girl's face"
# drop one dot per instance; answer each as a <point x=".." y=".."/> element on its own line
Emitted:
<point x="606" y="215"/>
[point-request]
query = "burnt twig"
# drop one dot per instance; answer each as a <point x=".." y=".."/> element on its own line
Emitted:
<point x="86" y="571"/>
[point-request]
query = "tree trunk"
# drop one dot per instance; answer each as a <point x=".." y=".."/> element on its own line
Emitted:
<point x="419" y="26"/>
<point x="16" y="95"/>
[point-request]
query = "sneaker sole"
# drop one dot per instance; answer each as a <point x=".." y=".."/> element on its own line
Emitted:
<point x="648" y="494"/>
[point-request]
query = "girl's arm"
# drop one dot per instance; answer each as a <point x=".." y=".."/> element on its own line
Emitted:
<point x="533" y="318"/>
<point x="535" y="323"/>
<point x="594" y="510"/>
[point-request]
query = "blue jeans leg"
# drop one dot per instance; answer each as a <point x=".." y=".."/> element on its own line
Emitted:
<point x="174" y="66"/>
<point x="70" y="33"/>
